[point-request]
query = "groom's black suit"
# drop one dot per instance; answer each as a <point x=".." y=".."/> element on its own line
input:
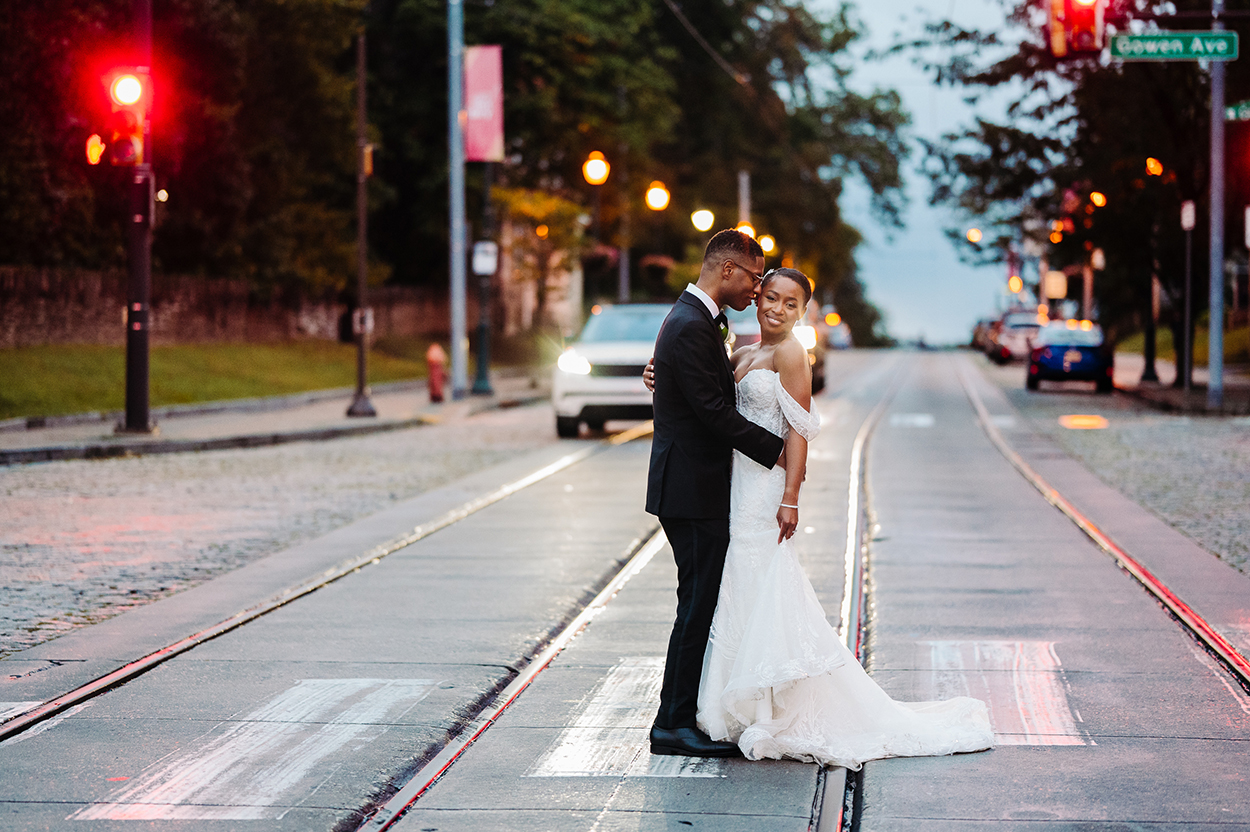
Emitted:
<point x="697" y="426"/>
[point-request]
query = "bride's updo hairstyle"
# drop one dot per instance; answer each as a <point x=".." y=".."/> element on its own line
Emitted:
<point x="795" y="275"/>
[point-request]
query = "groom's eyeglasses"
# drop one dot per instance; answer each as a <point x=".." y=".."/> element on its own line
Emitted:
<point x="756" y="277"/>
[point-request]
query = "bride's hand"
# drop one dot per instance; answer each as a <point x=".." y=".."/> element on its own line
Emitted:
<point x="648" y="375"/>
<point x="787" y="521"/>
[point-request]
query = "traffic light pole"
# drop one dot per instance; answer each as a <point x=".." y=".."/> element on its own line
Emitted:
<point x="1215" y="353"/>
<point x="455" y="147"/>
<point x="362" y="319"/>
<point x="139" y="256"/>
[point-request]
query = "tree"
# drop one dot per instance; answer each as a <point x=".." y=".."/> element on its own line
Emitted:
<point x="1080" y="126"/>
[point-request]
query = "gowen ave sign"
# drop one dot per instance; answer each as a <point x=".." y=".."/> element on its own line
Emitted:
<point x="1175" y="46"/>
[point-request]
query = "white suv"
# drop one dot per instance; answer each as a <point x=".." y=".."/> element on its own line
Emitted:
<point x="599" y="376"/>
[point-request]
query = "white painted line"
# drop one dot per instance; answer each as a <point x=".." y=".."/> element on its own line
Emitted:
<point x="8" y="709"/>
<point x="911" y="420"/>
<point x="609" y="737"/>
<point x="45" y="725"/>
<point x="1022" y="682"/>
<point x="243" y="768"/>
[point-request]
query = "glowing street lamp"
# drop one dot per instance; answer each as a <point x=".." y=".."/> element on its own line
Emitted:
<point x="1154" y="167"/>
<point x="974" y="235"/>
<point x="768" y="244"/>
<point x="596" y="168"/>
<point x="746" y="228"/>
<point x="1015" y="285"/>
<point x="657" y="196"/>
<point x="1098" y="198"/>
<point x="703" y="219"/>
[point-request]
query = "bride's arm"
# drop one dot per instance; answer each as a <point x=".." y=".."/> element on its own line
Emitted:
<point x="791" y="363"/>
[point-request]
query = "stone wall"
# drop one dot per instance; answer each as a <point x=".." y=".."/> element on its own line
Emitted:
<point x="50" y="306"/>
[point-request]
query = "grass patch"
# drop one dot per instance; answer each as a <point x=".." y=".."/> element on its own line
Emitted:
<point x="1236" y="345"/>
<point x="76" y="378"/>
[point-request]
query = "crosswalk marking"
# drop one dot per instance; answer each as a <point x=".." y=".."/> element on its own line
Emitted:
<point x="911" y="420"/>
<point x="609" y="737"/>
<point x="1021" y="681"/>
<point x="242" y="768"/>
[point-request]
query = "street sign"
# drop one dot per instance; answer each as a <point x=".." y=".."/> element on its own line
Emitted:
<point x="1238" y="112"/>
<point x="485" y="257"/>
<point x="1175" y="46"/>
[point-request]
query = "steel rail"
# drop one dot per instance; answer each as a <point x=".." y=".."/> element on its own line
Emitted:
<point x="1189" y="618"/>
<point x="833" y="785"/>
<point x="25" y="719"/>
<point x="430" y="773"/>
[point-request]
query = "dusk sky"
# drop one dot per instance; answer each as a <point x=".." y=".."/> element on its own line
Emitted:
<point x="914" y="275"/>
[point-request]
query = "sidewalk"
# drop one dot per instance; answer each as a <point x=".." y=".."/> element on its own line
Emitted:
<point x="1163" y="396"/>
<point x="247" y="423"/>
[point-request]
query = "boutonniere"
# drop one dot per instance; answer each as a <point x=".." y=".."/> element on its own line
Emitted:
<point x="724" y="333"/>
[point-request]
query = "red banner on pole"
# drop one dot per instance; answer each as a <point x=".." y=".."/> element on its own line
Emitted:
<point x="483" y="104"/>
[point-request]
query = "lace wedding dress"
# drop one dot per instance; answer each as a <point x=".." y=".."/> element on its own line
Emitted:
<point x="777" y="679"/>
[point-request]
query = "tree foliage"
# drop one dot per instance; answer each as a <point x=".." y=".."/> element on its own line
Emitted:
<point x="253" y="130"/>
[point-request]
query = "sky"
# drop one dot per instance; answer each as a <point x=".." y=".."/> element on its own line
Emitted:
<point x="913" y="275"/>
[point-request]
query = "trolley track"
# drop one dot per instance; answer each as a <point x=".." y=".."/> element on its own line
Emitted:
<point x="1189" y="619"/>
<point x="25" y="719"/>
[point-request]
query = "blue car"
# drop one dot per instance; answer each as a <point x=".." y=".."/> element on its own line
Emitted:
<point x="1071" y="351"/>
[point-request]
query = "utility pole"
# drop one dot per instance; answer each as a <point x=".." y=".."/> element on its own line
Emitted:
<point x="744" y="197"/>
<point x="484" y="271"/>
<point x="1215" y="353"/>
<point x="362" y="320"/>
<point x="1186" y="365"/>
<point x="139" y="253"/>
<point x="455" y="148"/>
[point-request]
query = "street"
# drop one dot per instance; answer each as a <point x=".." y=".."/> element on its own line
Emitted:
<point x="318" y="711"/>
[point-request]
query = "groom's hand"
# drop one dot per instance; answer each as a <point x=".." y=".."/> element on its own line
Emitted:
<point x="648" y="375"/>
<point x="787" y="521"/>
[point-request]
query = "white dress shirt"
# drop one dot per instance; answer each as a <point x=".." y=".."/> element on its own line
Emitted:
<point x="712" y="308"/>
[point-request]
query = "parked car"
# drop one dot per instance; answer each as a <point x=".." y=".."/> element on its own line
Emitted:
<point x="1011" y="337"/>
<point x="744" y="329"/>
<point x="1071" y="351"/>
<point x="599" y="375"/>
<point x="981" y="334"/>
<point x="832" y="329"/>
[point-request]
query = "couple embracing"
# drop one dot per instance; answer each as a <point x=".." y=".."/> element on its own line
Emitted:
<point x="753" y="666"/>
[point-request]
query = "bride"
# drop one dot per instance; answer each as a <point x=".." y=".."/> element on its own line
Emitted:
<point x="777" y="679"/>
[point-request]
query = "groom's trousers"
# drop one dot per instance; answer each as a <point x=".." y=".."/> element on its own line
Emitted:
<point x="699" y="548"/>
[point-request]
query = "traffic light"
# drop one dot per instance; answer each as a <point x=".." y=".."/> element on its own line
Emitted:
<point x="129" y="95"/>
<point x="1075" y="26"/>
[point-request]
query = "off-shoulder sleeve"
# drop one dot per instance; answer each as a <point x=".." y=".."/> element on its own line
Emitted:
<point x="807" y="424"/>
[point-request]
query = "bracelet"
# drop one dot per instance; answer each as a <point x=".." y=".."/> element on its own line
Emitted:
<point x="785" y="505"/>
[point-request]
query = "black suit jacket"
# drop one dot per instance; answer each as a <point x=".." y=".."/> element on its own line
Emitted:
<point x="697" y="425"/>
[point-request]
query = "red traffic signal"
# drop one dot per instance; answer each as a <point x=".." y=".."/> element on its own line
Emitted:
<point x="129" y="91"/>
<point x="1075" y="26"/>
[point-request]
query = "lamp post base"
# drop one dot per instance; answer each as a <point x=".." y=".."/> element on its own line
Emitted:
<point x="361" y="406"/>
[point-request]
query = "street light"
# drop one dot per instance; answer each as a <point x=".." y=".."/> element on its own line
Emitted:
<point x="703" y="219"/>
<point x="1015" y="285"/>
<point x="746" y="228"/>
<point x="596" y="168"/>
<point x="974" y="235"/>
<point x="1154" y="167"/>
<point x="657" y="196"/>
<point x="768" y="244"/>
<point x="1098" y="198"/>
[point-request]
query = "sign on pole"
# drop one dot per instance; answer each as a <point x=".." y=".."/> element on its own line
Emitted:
<point x="483" y="104"/>
<point x="1175" y="46"/>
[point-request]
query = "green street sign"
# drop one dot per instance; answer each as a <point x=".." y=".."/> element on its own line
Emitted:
<point x="1175" y="46"/>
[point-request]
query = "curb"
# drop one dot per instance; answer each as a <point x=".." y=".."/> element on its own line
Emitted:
<point x="97" y="450"/>
<point x="1236" y="401"/>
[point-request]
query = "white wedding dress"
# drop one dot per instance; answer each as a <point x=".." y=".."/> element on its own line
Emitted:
<point x="777" y="679"/>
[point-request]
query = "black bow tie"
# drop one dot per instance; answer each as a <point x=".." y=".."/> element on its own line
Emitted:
<point x="720" y="319"/>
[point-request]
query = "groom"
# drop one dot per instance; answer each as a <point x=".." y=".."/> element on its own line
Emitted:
<point x="696" y="429"/>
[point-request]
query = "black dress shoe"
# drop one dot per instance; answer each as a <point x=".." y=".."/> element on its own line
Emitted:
<point x="690" y="742"/>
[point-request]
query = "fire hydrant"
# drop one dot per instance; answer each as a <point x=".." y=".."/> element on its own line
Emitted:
<point x="435" y="358"/>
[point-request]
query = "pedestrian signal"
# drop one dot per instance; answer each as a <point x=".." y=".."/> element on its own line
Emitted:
<point x="1075" y="27"/>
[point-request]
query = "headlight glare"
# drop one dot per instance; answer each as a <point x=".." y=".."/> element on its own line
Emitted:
<point x="571" y="362"/>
